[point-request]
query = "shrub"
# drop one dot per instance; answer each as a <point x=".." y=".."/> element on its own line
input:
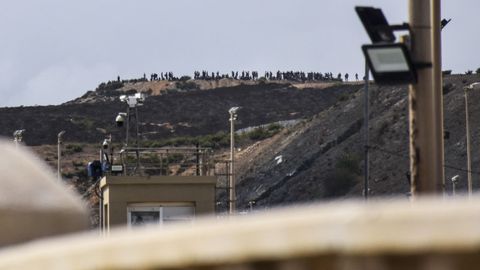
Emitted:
<point x="469" y="72"/>
<point x="185" y="78"/>
<point x="258" y="134"/>
<point x="109" y="86"/>
<point x="477" y="71"/>
<point x="344" y="176"/>
<point x="187" y="85"/>
<point x="262" y="133"/>
<point x="447" y="72"/>
<point x="130" y="92"/>
<point x="217" y="140"/>
<point x="74" y="148"/>
<point x="343" y="97"/>
<point x="447" y="88"/>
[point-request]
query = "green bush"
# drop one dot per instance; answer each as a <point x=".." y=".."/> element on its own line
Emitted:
<point x="185" y="78"/>
<point x="109" y="86"/>
<point x="343" y="97"/>
<point x="218" y="140"/>
<point x="187" y="85"/>
<point x="343" y="177"/>
<point x="74" y="148"/>
<point x="477" y="71"/>
<point x="349" y="163"/>
<point x="262" y="133"/>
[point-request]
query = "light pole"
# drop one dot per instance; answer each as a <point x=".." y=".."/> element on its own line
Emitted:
<point x="251" y="204"/>
<point x="473" y="86"/>
<point x="365" y="119"/>
<point x="425" y="100"/>
<point x="59" y="154"/>
<point x="454" y="184"/>
<point x="232" y="195"/>
<point x="18" y="136"/>
<point x="133" y="102"/>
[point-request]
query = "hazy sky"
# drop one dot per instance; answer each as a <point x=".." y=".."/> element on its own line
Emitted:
<point x="52" y="51"/>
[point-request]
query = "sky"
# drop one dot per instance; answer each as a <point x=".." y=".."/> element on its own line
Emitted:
<point x="52" y="51"/>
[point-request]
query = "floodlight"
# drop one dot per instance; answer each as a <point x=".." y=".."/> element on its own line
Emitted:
<point x="474" y="86"/>
<point x="105" y="143"/>
<point x="444" y="23"/>
<point x="134" y="100"/>
<point x="455" y="178"/>
<point x="120" y="119"/>
<point x="140" y="96"/>
<point x="60" y="135"/>
<point x="375" y="24"/>
<point x="233" y="110"/>
<point x="18" y="134"/>
<point x="390" y="63"/>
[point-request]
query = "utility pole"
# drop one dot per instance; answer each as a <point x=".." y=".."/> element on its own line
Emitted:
<point x="232" y="162"/>
<point x="365" y="119"/>
<point x="469" y="158"/>
<point x="425" y="100"/>
<point x="232" y="196"/>
<point x="59" y="155"/>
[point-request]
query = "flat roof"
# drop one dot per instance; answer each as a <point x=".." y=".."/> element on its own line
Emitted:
<point x="158" y="180"/>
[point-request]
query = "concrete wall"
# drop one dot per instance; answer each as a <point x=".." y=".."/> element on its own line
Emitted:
<point x="33" y="203"/>
<point x="428" y="234"/>
<point x="120" y="191"/>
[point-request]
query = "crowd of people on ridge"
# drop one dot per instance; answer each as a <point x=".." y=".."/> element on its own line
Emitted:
<point x="297" y="76"/>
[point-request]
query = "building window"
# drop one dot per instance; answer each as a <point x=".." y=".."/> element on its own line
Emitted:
<point x="141" y="214"/>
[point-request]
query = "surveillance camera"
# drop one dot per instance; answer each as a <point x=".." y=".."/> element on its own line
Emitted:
<point x="120" y="119"/>
<point x="105" y="144"/>
<point x="234" y="110"/>
<point x="455" y="178"/>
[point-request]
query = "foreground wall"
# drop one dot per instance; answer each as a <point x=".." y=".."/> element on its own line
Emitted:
<point x="33" y="203"/>
<point x="433" y="234"/>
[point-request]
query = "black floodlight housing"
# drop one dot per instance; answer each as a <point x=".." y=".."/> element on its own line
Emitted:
<point x="444" y="23"/>
<point x="390" y="63"/>
<point x="375" y="24"/>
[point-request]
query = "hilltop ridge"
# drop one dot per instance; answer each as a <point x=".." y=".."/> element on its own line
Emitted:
<point x="318" y="156"/>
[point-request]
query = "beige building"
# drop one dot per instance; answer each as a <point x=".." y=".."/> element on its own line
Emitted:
<point x="136" y="200"/>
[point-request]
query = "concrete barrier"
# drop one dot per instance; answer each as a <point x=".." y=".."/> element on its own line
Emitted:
<point x="428" y="234"/>
<point x="33" y="204"/>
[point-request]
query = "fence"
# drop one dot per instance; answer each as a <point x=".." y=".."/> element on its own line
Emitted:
<point x="167" y="161"/>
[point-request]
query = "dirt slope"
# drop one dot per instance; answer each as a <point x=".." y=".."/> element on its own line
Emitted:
<point x="323" y="157"/>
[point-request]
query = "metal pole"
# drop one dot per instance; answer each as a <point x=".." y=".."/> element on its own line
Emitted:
<point x="454" y="188"/>
<point x="59" y="154"/>
<point x="197" y="155"/>
<point x="128" y="127"/>
<point x="137" y="130"/>
<point x="365" y="119"/>
<point x="438" y="91"/>
<point x="426" y="130"/>
<point x="469" y="158"/>
<point x="232" y="162"/>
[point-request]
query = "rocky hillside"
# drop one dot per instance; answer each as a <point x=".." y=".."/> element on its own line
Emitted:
<point x="322" y="157"/>
<point x="319" y="158"/>
<point x="176" y="113"/>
